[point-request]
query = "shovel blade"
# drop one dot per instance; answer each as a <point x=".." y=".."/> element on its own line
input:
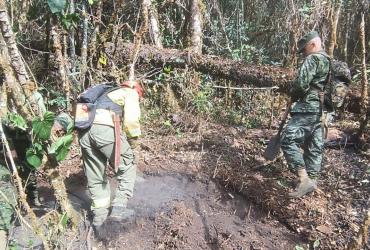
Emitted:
<point x="273" y="148"/>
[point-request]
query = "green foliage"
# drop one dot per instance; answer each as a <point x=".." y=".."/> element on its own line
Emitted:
<point x="202" y="100"/>
<point x="42" y="126"/>
<point x="167" y="124"/>
<point x="298" y="247"/>
<point x="13" y="245"/>
<point x="16" y="121"/>
<point x="316" y="244"/>
<point x="305" y="11"/>
<point x="34" y="155"/>
<point x="70" y="20"/>
<point x="57" y="6"/>
<point x="61" y="146"/>
<point x="64" y="221"/>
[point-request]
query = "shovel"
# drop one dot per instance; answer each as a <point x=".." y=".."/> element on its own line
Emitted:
<point x="273" y="147"/>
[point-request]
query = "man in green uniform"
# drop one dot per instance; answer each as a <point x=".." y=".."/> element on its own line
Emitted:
<point x="98" y="147"/>
<point x="305" y="130"/>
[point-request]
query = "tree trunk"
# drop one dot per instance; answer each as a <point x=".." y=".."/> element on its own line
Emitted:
<point x="196" y="25"/>
<point x="138" y="39"/>
<point x="97" y="20"/>
<point x="154" y="28"/>
<point x="47" y="42"/>
<point x="364" y="83"/>
<point x="15" y="89"/>
<point x="59" y="59"/>
<point x="16" y="58"/>
<point x="333" y="27"/>
<point x="71" y="36"/>
<point x="84" y="45"/>
<point x="222" y="23"/>
<point x="238" y="71"/>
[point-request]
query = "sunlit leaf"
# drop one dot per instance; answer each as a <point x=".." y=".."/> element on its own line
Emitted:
<point x="64" y="220"/>
<point x="16" y="121"/>
<point x="42" y="127"/>
<point x="61" y="147"/>
<point x="103" y="59"/>
<point x="33" y="158"/>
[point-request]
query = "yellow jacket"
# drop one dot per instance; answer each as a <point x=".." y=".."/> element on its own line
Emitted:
<point x="129" y="100"/>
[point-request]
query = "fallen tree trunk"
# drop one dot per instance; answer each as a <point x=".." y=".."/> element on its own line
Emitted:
<point x="238" y="71"/>
<point x="241" y="73"/>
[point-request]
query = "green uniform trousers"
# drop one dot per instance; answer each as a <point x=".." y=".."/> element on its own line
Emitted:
<point x="6" y="203"/>
<point x="97" y="145"/>
<point x="302" y="142"/>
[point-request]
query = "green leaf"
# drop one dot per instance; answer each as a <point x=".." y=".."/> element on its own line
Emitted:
<point x="64" y="220"/>
<point x="16" y="121"/>
<point x="167" y="70"/>
<point x="316" y="244"/>
<point x="298" y="247"/>
<point x="70" y="20"/>
<point x="42" y="127"/>
<point x="70" y="128"/>
<point x="33" y="158"/>
<point x="56" y="6"/>
<point x="91" y="2"/>
<point x="61" y="147"/>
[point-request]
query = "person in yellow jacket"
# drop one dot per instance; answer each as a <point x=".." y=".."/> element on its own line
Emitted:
<point x="98" y="148"/>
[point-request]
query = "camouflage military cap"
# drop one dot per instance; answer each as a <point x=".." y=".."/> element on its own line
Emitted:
<point x="305" y="39"/>
<point x="64" y="120"/>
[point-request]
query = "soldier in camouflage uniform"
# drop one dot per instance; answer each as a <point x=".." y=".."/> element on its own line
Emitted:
<point x="305" y="130"/>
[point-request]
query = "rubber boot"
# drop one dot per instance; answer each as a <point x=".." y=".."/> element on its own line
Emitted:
<point x="123" y="214"/>
<point x="305" y="186"/>
<point x="3" y="239"/>
<point x="100" y="215"/>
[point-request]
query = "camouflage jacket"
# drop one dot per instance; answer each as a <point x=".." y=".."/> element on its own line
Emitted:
<point x="312" y="76"/>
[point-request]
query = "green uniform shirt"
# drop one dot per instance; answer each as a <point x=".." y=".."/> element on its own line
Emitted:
<point x="312" y="76"/>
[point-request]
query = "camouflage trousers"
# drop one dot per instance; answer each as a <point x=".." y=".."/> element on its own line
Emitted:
<point x="302" y="142"/>
<point x="9" y="201"/>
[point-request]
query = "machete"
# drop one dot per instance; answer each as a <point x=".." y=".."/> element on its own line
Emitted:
<point x="273" y="147"/>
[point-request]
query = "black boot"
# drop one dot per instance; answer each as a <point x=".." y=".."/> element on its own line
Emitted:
<point x="120" y="213"/>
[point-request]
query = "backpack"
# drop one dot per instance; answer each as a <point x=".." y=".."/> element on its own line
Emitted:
<point x="337" y="87"/>
<point x="91" y="99"/>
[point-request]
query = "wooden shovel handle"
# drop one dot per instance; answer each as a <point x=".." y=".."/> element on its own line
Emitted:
<point x="285" y="115"/>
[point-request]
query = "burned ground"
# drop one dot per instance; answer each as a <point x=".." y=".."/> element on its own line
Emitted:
<point x="210" y="189"/>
